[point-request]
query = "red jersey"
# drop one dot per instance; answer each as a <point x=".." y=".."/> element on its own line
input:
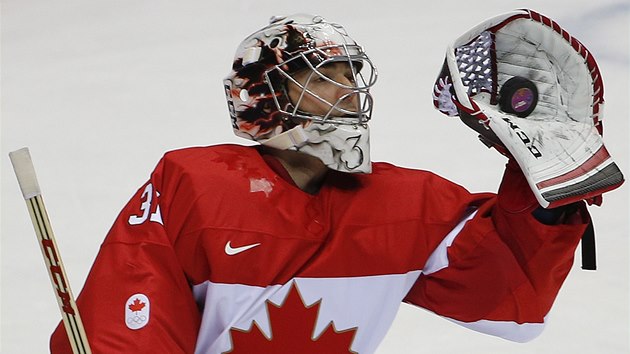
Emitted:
<point x="217" y="253"/>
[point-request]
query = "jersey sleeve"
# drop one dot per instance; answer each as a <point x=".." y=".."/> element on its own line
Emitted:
<point x="500" y="269"/>
<point x="136" y="298"/>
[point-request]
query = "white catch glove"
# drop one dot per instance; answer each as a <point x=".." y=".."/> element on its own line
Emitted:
<point x="535" y="93"/>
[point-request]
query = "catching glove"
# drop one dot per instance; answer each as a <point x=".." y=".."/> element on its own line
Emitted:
<point x="534" y="93"/>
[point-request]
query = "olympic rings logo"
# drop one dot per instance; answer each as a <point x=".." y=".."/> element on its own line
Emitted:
<point x="136" y="319"/>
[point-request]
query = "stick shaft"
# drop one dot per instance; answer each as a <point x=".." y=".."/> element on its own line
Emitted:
<point x="70" y="314"/>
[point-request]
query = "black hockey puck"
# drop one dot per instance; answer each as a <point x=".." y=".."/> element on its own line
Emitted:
<point x="518" y="96"/>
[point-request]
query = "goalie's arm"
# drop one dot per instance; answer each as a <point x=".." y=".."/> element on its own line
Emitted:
<point x="137" y="298"/>
<point x="504" y="268"/>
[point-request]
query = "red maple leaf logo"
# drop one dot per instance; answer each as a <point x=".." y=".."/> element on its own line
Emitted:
<point x="137" y="305"/>
<point x="292" y="329"/>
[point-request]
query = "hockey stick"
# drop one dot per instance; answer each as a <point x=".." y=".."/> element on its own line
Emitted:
<point x="25" y="172"/>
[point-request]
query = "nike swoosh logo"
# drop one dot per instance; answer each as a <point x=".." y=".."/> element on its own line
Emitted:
<point x="230" y="251"/>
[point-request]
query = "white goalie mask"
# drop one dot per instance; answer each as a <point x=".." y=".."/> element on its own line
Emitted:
<point x="535" y="93"/>
<point x="257" y="92"/>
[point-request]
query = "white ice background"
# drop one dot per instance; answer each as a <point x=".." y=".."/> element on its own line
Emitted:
<point x="98" y="90"/>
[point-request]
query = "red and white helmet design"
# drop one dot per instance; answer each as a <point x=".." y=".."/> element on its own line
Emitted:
<point x="265" y="61"/>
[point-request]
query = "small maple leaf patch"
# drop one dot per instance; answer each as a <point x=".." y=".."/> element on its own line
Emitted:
<point x="137" y="311"/>
<point x="137" y="305"/>
<point x="292" y="329"/>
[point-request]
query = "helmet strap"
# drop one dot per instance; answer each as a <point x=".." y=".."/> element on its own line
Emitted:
<point x="294" y="137"/>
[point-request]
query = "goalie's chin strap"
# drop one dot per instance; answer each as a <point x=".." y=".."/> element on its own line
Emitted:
<point x="294" y="137"/>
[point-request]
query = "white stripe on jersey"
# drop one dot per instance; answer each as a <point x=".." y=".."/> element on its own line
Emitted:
<point x="509" y="330"/>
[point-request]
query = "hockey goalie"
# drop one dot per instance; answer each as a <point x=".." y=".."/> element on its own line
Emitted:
<point x="302" y="244"/>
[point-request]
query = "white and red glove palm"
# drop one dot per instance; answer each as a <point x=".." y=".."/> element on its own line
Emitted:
<point x="535" y="93"/>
